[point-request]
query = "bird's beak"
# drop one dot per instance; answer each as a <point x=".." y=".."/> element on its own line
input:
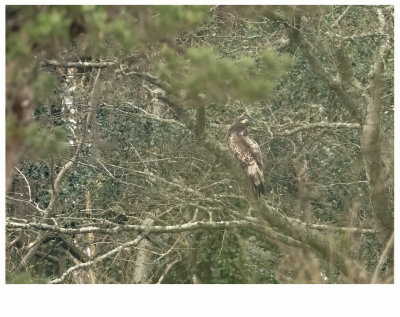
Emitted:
<point x="244" y="121"/>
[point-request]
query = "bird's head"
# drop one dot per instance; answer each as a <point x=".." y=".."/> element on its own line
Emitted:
<point x="244" y="119"/>
<point x="240" y="124"/>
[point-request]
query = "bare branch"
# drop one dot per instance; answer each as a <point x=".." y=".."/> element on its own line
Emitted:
<point x="319" y="125"/>
<point x="47" y="256"/>
<point x="96" y="260"/>
<point x="331" y="228"/>
<point x="147" y="77"/>
<point x="385" y="252"/>
<point x="152" y="116"/>
<point x="337" y="21"/>
<point x="211" y="225"/>
<point x="53" y="62"/>
<point x="61" y="175"/>
<point x="371" y="147"/>
<point x="27" y="184"/>
<point x="169" y="266"/>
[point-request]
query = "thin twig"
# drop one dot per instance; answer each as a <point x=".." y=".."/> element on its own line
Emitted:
<point x="334" y="24"/>
<point x="96" y="260"/>
<point x="27" y="184"/>
<point x="382" y="258"/>
<point x="169" y="266"/>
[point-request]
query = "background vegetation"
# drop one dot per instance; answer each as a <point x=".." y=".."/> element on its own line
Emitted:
<point x="117" y="165"/>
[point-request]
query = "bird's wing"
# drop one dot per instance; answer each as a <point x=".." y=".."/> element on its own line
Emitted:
<point x="240" y="149"/>
<point x="255" y="150"/>
<point x="248" y="153"/>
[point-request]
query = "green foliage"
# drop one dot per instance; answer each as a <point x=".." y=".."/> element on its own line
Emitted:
<point x="51" y="25"/>
<point x="94" y="14"/>
<point x="13" y="130"/>
<point x="43" y="143"/>
<point x="171" y="18"/>
<point x="220" y="260"/>
<point x="227" y="258"/>
<point x="25" y="278"/>
<point x="201" y="72"/>
<point x="106" y="25"/>
<point x="43" y="84"/>
<point x="121" y="31"/>
<point x="35" y="28"/>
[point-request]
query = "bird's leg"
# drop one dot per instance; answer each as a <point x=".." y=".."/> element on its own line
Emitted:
<point x="249" y="212"/>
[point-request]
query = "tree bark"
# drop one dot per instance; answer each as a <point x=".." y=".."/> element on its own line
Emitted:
<point x="371" y="149"/>
<point x="141" y="269"/>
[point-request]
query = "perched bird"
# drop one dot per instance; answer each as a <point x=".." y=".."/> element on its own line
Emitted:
<point x="248" y="153"/>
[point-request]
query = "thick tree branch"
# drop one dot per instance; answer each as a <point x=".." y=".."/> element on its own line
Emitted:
<point x="330" y="228"/>
<point x="371" y="148"/>
<point x="246" y="222"/>
<point x="142" y="229"/>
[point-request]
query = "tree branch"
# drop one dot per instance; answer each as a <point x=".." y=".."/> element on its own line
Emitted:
<point x="53" y="62"/>
<point x="142" y="229"/>
<point x="336" y="23"/>
<point x="54" y="192"/>
<point x="152" y="116"/>
<point x="147" y="77"/>
<point x="371" y="139"/>
<point x="319" y="125"/>
<point x="290" y="230"/>
<point x="200" y="121"/>
<point x="297" y="37"/>
<point x="96" y="260"/>
<point x="388" y="248"/>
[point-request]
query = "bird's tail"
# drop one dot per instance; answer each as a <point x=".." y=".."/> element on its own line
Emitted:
<point x="259" y="189"/>
<point x="257" y="179"/>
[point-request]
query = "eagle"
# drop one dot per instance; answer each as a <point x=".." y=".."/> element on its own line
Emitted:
<point x="248" y="153"/>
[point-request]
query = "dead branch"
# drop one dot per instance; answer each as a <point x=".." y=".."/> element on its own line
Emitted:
<point x="96" y="260"/>
<point x="53" y="62"/>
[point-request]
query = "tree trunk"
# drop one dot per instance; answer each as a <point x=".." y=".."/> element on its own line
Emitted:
<point x="141" y="268"/>
<point x="371" y="150"/>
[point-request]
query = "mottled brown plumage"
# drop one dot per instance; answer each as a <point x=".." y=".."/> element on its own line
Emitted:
<point x="248" y="153"/>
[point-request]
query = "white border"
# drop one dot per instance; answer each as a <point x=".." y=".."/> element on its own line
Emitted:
<point x="200" y="300"/>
